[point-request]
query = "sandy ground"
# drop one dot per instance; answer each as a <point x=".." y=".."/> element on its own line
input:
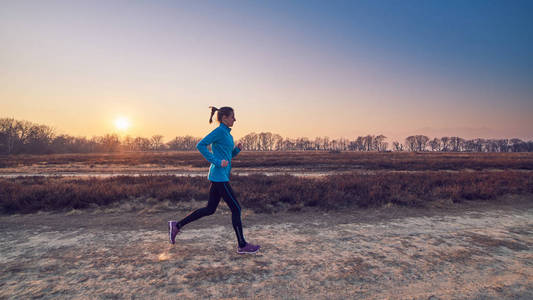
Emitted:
<point x="470" y="251"/>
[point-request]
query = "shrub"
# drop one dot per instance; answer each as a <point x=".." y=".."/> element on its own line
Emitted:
<point x="266" y="193"/>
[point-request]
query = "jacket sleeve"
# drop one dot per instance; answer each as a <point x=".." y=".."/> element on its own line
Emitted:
<point x="208" y="140"/>
<point x="235" y="151"/>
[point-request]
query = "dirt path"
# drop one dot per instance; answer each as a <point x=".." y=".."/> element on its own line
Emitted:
<point x="468" y="252"/>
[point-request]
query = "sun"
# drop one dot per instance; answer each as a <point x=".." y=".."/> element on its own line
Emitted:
<point x="122" y="123"/>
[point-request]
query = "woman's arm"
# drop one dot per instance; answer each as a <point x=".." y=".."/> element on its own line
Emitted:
<point x="208" y="140"/>
<point x="236" y="150"/>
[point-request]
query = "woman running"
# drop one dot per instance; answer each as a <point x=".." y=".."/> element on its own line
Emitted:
<point x="224" y="150"/>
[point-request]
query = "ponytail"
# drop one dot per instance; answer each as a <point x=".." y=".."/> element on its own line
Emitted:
<point x="223" y="111"/>
<point x="213" y="110"/>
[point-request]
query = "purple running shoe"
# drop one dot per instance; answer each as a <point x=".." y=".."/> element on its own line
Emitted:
<point x="173" y="230"/>
<point x="248" y="248"/>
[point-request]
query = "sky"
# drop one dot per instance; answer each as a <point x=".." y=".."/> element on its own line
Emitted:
<point x="296" y="68"/>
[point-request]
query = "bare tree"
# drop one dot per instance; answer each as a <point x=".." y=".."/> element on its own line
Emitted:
<point x="445" y="143"/>
<point x="343" y="144"/>
<point x="156" y="142"/>
<point x="289" y="144"/>
<point x="421" y="142"/>
<point x="379" y="143"/>
<point x="334" y="144"/>
<point x="128" y="143"/>
<point x="503" y="145"/>
<point x="265" y="141"/>
<point x="325" y="143"/>
<point x="190" y="142"/>
<point x="360" y="143"/>
<point x="474" y="145"/>
<point x="277" y="141"/>
<point x="33" y="138"/>
<point x="8" y="135"/>
<point x="303" y="143"/>
<point x="249" y="141"/>
<point x="23" y="131"/>
<point x="174" y="144"/>
<point x="63" y="144"/>
<point x="317" y="143"/>
<point x="397" y="146"/>
<point x="110" y="143"/>
<point x="517" y="145"/>
<point x="435" y="144"/>
<point x="352" y="146"/>
<point x="183" y="143"/>
<point x="456" y="143"/>
<point x="367" y="142"/>
<point x="142" y="144"/>
<point x="410" y="143"/>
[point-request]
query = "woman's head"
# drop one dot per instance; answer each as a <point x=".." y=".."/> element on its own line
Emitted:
<point x="224" y="115"/>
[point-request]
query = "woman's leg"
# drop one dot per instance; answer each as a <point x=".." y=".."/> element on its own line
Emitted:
<point x="227" y="194"/>
<point x="214" y="199"/>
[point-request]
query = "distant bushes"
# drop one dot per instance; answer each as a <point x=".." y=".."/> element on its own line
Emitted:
<point x="266" y="194"/>
<point x="314" y="160"/>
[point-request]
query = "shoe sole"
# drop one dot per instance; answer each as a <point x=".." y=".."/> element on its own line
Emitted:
<point x="239" y="252"/>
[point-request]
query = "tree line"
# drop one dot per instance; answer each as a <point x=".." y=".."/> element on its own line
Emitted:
<point x="23" y="137"/>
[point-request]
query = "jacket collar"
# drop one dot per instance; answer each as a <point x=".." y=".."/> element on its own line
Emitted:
<point x="224" y="126"/>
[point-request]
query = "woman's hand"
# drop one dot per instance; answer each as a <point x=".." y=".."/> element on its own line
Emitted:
<point x="224" y="163"/>
<point x="239" y="146"/>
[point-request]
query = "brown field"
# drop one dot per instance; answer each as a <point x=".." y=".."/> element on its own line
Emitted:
<point x="314" y="160"/>
<point x="388" y="226"/>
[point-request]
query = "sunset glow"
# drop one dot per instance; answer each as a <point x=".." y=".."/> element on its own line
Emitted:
<point x="397" y="68"/>
<point x="122" y="123"/>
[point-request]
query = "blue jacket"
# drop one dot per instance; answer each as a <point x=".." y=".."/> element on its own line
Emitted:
<point x="223" y="147"/>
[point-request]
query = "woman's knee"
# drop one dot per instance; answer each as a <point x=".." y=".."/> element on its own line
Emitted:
<point x="209" y="210"/>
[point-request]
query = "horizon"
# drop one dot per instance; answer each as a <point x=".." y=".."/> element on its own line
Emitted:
<point x="313" y="69"/>
<point x="122" y="136"/>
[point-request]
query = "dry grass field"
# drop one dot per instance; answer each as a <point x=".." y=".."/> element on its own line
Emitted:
<point x="313" y="160"/>
<point x="265" y="194"/>
<point x="331" y="226"/>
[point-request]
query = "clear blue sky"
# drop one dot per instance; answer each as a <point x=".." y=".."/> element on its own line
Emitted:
<point x="297" y="68"/>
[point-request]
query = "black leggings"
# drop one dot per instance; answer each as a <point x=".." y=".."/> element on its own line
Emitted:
<point x="217" y="190"/>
